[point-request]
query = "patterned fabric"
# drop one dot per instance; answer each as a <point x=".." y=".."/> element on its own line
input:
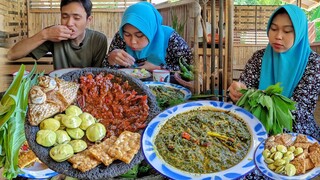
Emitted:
<point x="305" y="94"/>
<point x="177" y="47"/>
<point x="287" y="67"/>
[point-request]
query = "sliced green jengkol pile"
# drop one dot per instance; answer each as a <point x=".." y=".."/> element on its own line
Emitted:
<point x="13" y="107"/>
<point x="270" y="107"/>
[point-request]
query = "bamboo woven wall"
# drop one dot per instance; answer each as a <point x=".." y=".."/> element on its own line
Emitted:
<point x="108" y="21"/>
<point x="13" y="21"/>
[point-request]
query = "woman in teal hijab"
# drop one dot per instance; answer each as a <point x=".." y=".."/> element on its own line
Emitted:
<point x="286" y="65"/>
<point x="143" y="41"/>
<point x="288" y="60"/>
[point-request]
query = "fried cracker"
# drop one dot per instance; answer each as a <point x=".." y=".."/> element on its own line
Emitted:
<point x="309" y="164"/>
<point x="315" y="157"/>
<point x="125" y="147"/>
<point x="301" y="138"/>
<point x="303" y="145"/>
<point x="315" y="146"/>
<point x="99" y="151"/>
<point x="300" y="165"/>
<point x="26" y="158"/>
<point x="84" y="161"/>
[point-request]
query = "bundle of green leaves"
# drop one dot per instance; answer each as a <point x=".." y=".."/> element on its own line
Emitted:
<point x="270" y="107"/>
<point x="13" y="107"/>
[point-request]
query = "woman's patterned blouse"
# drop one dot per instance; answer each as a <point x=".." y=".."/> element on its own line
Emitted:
<point x="177" y="48"/>
<point x="305" y="94"/>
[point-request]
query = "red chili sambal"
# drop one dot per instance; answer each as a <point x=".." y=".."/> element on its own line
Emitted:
<point x="113" y="102"/>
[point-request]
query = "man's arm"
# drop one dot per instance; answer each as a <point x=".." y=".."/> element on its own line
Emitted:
<point x="24" y="47"/>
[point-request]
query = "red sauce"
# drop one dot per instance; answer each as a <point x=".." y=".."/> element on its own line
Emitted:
<point x="113" y="102"/>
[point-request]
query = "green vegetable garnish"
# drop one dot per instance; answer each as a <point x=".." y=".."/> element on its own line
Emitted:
<point x="270" y="107"/>
<point x="12" y="118"/>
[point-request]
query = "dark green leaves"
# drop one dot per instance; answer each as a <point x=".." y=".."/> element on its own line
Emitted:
<point x="270" y="107"/>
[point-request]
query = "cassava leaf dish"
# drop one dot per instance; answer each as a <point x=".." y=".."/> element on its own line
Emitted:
<point x="270" y="107"/>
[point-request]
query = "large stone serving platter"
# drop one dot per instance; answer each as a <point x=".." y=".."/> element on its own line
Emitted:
<point x="100" y="172"/>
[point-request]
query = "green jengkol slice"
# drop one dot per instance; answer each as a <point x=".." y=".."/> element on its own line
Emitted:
<point x="270" y="107"/>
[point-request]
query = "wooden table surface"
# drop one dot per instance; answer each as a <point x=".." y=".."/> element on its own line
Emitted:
<point x="7" y="68"/>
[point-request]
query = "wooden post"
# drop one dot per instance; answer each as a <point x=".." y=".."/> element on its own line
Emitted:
<point x="228" y="68"/>
<point x="196" y="16"/>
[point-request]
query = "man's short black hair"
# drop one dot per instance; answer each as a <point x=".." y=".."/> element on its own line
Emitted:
<point x="87" y="5"/>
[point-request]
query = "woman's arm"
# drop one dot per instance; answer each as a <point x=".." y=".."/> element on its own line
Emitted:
<point x="117" y="54"/>
<point x="177" y="48"/>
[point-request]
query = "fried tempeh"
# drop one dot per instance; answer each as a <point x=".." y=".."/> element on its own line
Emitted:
<point x="125" y="147"/>
<point x="84" y="161"/>
<point x="27" y="158"/>
<point x="99" y="151"/>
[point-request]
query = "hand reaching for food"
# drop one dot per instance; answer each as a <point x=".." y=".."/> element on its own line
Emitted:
<point x="120" y="57"/>
<point x="234" y="90"/>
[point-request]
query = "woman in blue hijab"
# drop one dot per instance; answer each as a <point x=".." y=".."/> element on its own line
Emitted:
<point x="288" y="60"/>
<point x="143" y="41"/>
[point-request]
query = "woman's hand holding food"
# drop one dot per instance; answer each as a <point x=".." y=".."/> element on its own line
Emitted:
<point x="120" y="57"/>
<point x="149" y="66"/>
<point x="234" y="90"/>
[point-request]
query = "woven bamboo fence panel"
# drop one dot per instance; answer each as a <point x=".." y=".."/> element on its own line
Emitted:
<point x="13" y="21"/>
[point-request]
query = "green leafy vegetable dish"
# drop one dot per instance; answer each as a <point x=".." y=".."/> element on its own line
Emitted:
<point x="168" y="94"/>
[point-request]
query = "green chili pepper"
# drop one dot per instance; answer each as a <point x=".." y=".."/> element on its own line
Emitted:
<point x="186" y="74"/>
<point x="188" y="66"/>
<point x="182" y="67"/>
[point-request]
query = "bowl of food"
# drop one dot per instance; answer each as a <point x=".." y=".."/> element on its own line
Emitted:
<point x="111" y="97"/>
<point x="139" y="73"/>
<point x="203" y="139"/>
<point x="168" y="94"/>
<point x="288" y="156"/>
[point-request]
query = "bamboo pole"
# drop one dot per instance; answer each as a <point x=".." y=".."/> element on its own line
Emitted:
<point x="213" y="41"/>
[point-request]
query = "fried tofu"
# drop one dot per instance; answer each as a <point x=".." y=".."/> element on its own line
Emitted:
<point x="125" y="147"/>
<point x="99" y="151"/>
<point x="84" y="161"/>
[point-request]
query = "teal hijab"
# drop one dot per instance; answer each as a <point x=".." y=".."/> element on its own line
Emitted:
<point x="148" y="20"/>
<point x="287" y="67"/>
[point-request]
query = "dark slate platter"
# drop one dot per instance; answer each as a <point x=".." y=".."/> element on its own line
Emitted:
<point x="100" y="172"/>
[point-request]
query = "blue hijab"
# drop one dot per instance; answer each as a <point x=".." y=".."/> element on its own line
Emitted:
<point x="148" y="20"/>
<point x="287" y="67"/>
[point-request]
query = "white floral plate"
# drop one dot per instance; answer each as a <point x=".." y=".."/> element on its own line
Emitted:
<point x="60" y="72"/>
<point x="258" y="134"/>
<point x="187" y="93"/>
<point x="38" y="170"/>
<point x="262" y="166"/>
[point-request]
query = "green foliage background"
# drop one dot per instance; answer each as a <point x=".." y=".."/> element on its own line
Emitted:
<point x="312" y="15"/>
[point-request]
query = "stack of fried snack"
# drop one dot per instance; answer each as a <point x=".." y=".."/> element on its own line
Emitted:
<point x="26" y="157"/>
<point x="51" y="96"/>
<point x="122" y="148"/>
<point x="305" y="161"/>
